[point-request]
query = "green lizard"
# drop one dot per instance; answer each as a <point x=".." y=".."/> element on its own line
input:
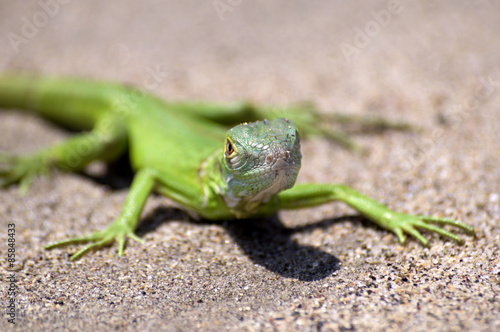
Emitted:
<point x="185" y="152"/>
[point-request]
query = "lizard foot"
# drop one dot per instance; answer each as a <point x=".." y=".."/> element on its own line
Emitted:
<point x="21" y="169"/>
<point x="351" y="124"/>
<point x="401" y="223"/>
<point x="118" y="231"/>
<point x="367" y="123"/>
<point x="338" y="127"/>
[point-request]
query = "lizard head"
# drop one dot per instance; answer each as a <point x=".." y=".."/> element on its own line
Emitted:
<point x="260" y="159"/>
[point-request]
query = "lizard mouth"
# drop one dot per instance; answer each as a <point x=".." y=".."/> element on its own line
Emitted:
<point x="281" y="160"/>
<point x="280" y="176"/>
<point x="279" y="165"/>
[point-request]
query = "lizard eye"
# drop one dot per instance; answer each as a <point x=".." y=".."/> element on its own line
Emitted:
<point x="232" y="157"/>
<point x="229" y="148"/>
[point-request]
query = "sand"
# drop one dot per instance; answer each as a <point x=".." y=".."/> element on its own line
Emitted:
<point x="434" y="65"/>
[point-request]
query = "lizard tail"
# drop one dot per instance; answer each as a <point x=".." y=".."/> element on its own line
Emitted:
<point x="73" y="103"/>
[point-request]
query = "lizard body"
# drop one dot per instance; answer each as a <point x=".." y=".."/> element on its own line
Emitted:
<point x="185" y="152"/>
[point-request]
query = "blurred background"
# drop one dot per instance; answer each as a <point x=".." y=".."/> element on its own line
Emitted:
<point x="397" y="56"/>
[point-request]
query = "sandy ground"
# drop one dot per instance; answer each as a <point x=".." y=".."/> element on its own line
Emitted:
<point x="319" y="269"/>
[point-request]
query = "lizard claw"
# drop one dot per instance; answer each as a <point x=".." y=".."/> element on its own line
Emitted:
<point x="400" y="223"/>
<point x="21" y="169"/>
<point x="352" y="124"/>
<point x="117" y="231"/>
<point x="338" y="127"/>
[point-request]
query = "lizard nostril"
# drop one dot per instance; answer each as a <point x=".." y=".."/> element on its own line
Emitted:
<point x="269" y="158"/>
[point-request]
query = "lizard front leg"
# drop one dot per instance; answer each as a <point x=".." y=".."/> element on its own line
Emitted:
<point x="125" y="225"/>
<point x="307" y="195"/>
<point x="145" y="181"/>
<point x="105" y="142"/>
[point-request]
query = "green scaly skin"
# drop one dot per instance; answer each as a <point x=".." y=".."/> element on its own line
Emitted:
<point x="185" y="152"/>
